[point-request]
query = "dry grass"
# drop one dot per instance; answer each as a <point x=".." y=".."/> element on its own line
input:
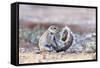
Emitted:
<point x="54" y="57"/>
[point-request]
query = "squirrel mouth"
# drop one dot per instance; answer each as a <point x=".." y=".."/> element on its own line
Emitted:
<point x="64" y="36"/>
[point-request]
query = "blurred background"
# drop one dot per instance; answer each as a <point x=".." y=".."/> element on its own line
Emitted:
<point x="34" y="20"/>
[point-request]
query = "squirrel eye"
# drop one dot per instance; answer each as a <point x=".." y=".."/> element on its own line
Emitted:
<point x="54" y="28"/>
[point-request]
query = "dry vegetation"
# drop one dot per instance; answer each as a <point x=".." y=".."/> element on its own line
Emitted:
<point x="54" y="57"/>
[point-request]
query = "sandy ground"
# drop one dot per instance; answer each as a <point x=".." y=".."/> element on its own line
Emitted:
<point x="54" y="57"/>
